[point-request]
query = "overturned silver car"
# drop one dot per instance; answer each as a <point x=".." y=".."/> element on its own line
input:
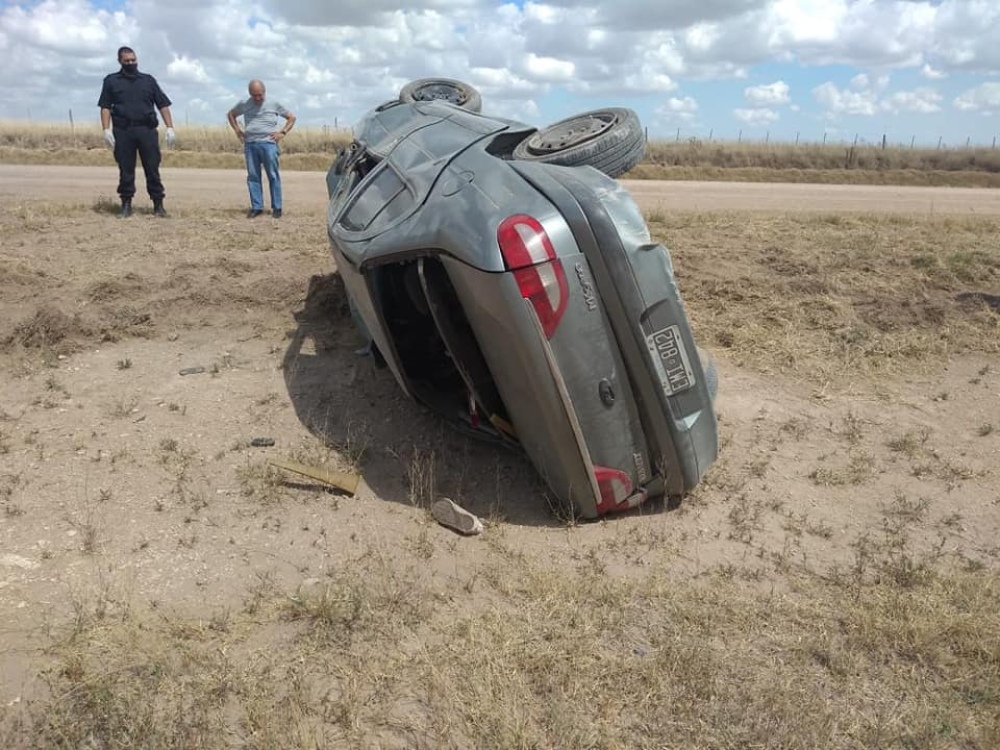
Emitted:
<point x="510" y="284"/>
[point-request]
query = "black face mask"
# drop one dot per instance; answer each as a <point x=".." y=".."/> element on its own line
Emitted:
<point x="130" y="69"/>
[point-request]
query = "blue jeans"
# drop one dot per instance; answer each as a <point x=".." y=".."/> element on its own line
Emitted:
<point x="262" y="154"/>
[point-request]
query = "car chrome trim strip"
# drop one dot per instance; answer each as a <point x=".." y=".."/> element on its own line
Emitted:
<point x="574" y="421"/>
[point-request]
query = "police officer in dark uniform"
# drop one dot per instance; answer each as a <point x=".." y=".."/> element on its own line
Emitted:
<point x="129" y="100"/>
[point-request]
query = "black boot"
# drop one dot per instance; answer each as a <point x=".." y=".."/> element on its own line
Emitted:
<point x="126" y="209"/>
<point x="158" y="209"/>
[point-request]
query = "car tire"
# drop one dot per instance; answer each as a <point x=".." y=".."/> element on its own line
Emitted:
<point x="611" y="140"/>
<point x="442" y="89"/>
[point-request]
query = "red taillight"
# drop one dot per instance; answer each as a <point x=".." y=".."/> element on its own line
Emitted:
<point x="528" y="252"/>
<point x="616" y="491"/>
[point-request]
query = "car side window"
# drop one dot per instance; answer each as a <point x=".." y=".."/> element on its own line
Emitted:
<point x="384" y="196"/>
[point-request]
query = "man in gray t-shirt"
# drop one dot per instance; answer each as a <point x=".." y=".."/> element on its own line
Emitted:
<point x="260" y="136"/>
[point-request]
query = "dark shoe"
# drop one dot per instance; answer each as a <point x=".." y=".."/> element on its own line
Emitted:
<point x="159" y="210"/>
<point x="126" y="209"/>
<point x="276" y="213"/>
<point x="253" y="213"/>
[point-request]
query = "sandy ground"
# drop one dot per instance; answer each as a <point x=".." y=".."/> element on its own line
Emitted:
<point x="188" y="187"/>
<point x="119" y="474"/>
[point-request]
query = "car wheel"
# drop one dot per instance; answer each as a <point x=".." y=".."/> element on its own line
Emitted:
<point x="611" y="140"/>
<point x="442" y="89"/>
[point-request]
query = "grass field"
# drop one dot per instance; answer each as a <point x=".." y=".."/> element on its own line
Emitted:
<point x="832" y="584"/>
<point x="314" y="148"/>
<point x="893" y="651"/>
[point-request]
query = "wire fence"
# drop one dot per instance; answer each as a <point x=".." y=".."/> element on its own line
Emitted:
<point x="335" y="132"/>
<point x="883" y="141"/>
<point x="680" y="149"/>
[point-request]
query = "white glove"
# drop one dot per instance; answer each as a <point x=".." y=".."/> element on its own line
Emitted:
<point x="171" y="137"/>
<point x="109" y="137"/>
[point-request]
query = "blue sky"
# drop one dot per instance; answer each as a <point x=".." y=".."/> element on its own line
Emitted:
<point x="912" y="70"/>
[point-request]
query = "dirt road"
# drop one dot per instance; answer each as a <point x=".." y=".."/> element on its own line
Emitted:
<point x="308" y="189"/>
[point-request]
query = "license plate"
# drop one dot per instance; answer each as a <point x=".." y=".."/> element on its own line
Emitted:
<point x="670" y="359"/>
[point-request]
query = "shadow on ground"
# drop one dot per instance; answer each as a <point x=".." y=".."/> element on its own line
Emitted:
<point x="972" y="299"/>
<point x="408" y="454"/>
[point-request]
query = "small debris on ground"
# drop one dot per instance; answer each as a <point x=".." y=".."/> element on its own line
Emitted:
<point x="192" y="370"/>
<point x="342" y="480"/>
<point x="448" y="513"/>
<point x="259" y="442"/>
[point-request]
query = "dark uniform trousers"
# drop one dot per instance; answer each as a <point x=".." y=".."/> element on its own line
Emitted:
<point x="144" y="141"/>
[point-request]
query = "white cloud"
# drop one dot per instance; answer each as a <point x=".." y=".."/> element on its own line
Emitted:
<point x="534" y="59"/>
<point x="500" y="83"/>
<point x="649" y="81"/>
<point x="678" y="109"/>
<point x="845" y="101"/>
<point x="986" y="96"/>
<point x="549" y="69"/>
<point x="756" y="116"/>
<point x="769" y="95"/>
<point x="682" y="104"/>
<point x="867" y="97"/>
<point x="702" y="38"/>
<point x="932" y="73"/>
<point x="69" y="28"/>
<point x="661" y="14"/>
<point x="362" y="12"/>
<point x="863" y="33"/>
<point x="860" y="82"/>
<point x="863" y="82"/>
<point x="920" y="101"/>
<point x="183" y="70"/>
<point x="966" y="34"/>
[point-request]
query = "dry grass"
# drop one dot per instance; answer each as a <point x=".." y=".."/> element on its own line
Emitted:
<point x="895" y="651"/>
<point x="313" y="149"/>
<point x="424" y="644"/>
<point x="906" y="177"/>
<point x="812" y="156"/>
<point x="827" y="299"/>
<point x="830" y="299"/>
<point x="306" y="149"/>
<point x="23" y="136"/>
